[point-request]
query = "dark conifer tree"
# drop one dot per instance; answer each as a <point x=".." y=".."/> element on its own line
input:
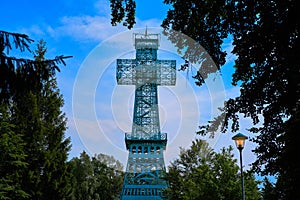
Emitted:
<point x="13" y="159"/>
<point x="32" y="128"/>
<point x="42" y="124"/>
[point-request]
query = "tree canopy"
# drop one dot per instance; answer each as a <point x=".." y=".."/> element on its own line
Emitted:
<point x="201" y="173"/>
<point x="99" y="177"/>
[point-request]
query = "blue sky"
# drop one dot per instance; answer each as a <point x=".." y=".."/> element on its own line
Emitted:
<point x="99" y="111"/>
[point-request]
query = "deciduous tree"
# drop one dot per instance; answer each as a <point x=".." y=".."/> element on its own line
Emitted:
<point x="99" y="177"/>
<point x="201" y="173"/>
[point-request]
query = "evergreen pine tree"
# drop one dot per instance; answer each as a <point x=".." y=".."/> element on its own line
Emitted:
<point x="42" y="124"/>
<point x="33" y="150"/>
<point x="13" y="159"/>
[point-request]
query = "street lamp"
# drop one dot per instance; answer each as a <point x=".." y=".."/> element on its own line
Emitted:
<point x="240" y="142"/>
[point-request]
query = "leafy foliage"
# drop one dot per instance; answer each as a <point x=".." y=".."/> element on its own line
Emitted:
<point x="99" y="177"/>
<point x="268" y="191"/>
<point x="203" y="21"/>
<point x="266" y="43"/>
<point x="123" y="9"/>
<point x="200" y="173"/>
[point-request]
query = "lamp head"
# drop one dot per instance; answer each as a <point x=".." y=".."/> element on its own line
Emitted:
<point x="240" y="140"/>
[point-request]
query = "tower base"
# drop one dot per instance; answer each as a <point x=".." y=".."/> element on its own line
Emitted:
<point x="144" y="192"/>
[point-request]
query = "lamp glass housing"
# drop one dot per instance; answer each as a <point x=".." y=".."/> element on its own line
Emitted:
<point x="240" y="140"/>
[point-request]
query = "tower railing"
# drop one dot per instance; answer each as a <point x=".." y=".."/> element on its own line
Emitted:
<point x="155" y="137"/>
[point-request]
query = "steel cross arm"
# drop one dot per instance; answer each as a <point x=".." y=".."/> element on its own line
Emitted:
<point x="160" y="72"/>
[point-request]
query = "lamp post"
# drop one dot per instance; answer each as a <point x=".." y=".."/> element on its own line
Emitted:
<point x="240" y="142"/>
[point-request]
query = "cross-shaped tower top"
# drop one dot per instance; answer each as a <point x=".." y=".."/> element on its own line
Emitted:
<point x="146" y="68"/>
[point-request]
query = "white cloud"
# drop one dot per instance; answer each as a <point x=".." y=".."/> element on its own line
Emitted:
<point x="33" y="30"/>
<point x="95" y="28"/>
<point x="96" y="137"/>
<point x="86" y="28"/>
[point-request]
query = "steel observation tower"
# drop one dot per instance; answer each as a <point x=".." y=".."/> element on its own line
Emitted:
<point x="146" y="143"/>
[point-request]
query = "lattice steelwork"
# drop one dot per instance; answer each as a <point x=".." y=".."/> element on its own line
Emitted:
<point x="145" y="165"/>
